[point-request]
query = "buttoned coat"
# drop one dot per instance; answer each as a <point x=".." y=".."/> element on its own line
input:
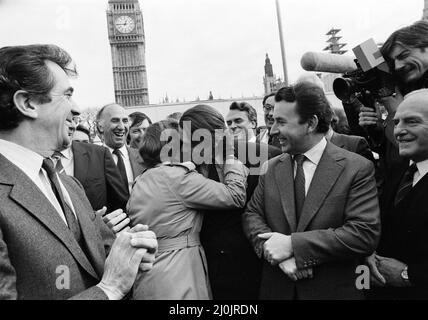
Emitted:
<point x="339" y="224"/>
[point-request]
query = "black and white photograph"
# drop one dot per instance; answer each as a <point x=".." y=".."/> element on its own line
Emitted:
<point x="214" y="154"/>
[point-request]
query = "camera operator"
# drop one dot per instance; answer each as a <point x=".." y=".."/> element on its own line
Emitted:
<point x="407" y="56"/>
<point x="406" y="53"/>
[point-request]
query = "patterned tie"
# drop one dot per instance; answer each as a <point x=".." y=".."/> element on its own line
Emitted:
<point x="59" y="167"/>
<point x="406" y="183"/>
<point x="72" y="222"/>
<point x="121" y="167"/>
<point x="299" y="184"/>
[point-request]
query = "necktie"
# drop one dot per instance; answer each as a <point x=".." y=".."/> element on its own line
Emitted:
<point x="59" y="167"/>
<point x="299" y="184"/>
<point x="121" y="167"/>
<point x="72" y="222"/>
<point x="406" y="183"/>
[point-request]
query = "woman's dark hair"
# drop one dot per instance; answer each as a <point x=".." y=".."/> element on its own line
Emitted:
<point x="24" y="68"/>
<point x="203" y="117"/>
<point x="151" y="144"/>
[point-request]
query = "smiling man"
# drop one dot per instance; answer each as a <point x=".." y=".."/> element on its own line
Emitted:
<point x="314" y="212"/>
<point x="242" y="121"/>
<point x="50" y="239"/>
<point x="95" y="169"/>
<point x="113" y="123"/>
<point x="399" y="268"/>
<point x="406" y="50"/>
<point x="264" y="136"/>
<point x="139" y="124"/>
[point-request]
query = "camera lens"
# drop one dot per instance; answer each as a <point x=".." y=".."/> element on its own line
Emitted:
<point x="344" y="88"/>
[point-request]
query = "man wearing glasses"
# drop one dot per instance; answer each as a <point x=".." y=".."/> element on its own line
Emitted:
<point x="264" y="136"/>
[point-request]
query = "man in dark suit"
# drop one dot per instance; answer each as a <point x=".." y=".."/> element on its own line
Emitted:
<point x="233" y="267"/>
<point x="351" y="143"/>
<point x="314" y="212"/>
<point x="94" y="167"/>
<point x="113" y="123"/>
<point x="399" y="268"/>
<point x="50" y="243"/>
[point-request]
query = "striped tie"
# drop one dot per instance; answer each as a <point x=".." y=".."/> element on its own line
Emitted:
<point x="72" y="222"/>
<point x="58" y="167"/>
<point x="406" y="183"/>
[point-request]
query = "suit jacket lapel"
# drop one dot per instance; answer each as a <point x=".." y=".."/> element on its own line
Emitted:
<point x="94" y="244"/>
<point x="29" y="196"/>
<point x="283" y="173"/>
<point x="81" y="162"/>
<point x="326" y="174"/>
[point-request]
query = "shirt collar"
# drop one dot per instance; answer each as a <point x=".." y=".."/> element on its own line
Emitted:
<point x="422" y="167"/>
<point x="314" y="155"/>
<point x="67" y="153"/>
<point x="27" y="160"/>
<point x="123" y="150"/>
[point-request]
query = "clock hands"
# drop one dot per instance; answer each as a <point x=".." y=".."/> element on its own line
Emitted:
<point x="124" y="24"/>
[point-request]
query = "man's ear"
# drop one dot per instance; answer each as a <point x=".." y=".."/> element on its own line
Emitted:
<point x="100" y="127"/>
<point x="22" y="102"/>
<point x="313" y="124"/>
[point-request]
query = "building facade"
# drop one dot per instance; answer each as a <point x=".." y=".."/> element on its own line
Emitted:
<point x="127" y="41"/>
<point x="270" y="82"/>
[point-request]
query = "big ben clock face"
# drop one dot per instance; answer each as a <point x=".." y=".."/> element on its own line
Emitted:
<point x="124" y="24"/>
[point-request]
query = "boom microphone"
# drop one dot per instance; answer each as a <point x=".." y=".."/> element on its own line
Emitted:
<point x="327" y="62"/>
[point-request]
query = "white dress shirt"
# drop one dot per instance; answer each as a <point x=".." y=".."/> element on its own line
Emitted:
<point x="30" y="163"/>
<point x="127" y="162"/>
<point x="313" y="157"/>
<point x="67" y="161"/>
<point x="421" y="172"/>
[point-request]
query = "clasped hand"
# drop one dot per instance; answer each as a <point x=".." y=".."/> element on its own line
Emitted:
<point x="386" y="271"/>
<point x="278" y="250"/>
<point x="130" y="249"/>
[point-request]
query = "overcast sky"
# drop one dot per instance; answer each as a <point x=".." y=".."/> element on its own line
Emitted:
<point x="197" y="46"/>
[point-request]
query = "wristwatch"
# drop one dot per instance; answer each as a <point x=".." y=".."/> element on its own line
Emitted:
<point x="404" y="274"/>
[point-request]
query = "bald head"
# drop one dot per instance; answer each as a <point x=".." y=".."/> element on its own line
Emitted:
<point x="113" y="124"/>
<point x="411" y="126"/>
<point x="311" y="78"/>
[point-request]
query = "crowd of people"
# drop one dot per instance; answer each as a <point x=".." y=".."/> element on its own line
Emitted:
<point x="200" y="206"/>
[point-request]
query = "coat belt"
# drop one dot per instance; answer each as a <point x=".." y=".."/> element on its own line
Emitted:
<point x="191" y="240"/>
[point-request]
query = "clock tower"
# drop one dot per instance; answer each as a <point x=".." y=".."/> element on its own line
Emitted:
<point x="127" y="41"/>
